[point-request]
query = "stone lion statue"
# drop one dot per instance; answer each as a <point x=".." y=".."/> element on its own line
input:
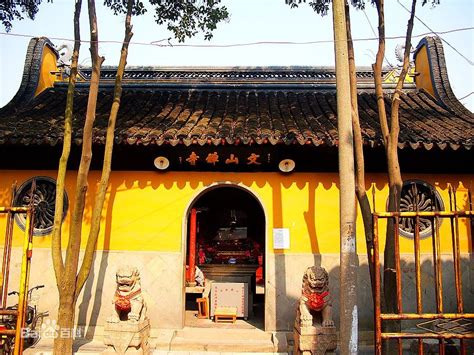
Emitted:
<point x="315" y="301"/>
<point x="128" y="301"/>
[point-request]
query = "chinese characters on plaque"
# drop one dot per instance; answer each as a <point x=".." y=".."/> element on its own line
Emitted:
<point x="214" y="158"/>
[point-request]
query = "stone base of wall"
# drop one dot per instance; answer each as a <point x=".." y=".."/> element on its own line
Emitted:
<point x="162" y="279"/>
<point x="285" y="272"/>
<point x="162" y="282"/>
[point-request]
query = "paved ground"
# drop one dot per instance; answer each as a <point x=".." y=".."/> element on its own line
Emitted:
<point x="202" y="342"/>
<point x="205" y="337"/>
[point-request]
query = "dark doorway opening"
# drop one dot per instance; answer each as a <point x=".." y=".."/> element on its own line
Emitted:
<point x="226" y="243"/>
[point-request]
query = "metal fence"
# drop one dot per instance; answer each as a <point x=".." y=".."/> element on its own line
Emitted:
<point x="20" y="312"/>
<point x="453" y="328"/>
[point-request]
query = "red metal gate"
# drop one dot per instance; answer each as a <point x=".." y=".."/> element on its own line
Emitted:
<point x="443" y="326"/>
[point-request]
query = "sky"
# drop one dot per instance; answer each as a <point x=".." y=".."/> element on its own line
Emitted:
<point x="251" y="21"/>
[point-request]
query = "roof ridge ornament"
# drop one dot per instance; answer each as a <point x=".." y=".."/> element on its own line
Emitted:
<point x="400" y="53"/>
<point x="393" y="75"/>
<point x="65" y="58"/>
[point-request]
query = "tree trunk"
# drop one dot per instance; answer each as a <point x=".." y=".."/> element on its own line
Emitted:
<point x="360" y="190"/>
<point x="390" y="137"/>
<point x="389" y="287"/>
<point x="66" y="285"/>
<point x="395" y="178"/>
<point x="63" y="342"/>
<point x="58" y="263"/>
<point x="107" y="163"/>
<point x="75" y="233"/>
<point x="348" y="256"/>
<point x="69" y="293"/>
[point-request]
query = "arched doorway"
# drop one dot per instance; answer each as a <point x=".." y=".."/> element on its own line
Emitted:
<point x="226" y="236"/>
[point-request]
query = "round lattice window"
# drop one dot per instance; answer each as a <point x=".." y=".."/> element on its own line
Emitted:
<point x="418" y="196"/>
<point x="44" y="201"/>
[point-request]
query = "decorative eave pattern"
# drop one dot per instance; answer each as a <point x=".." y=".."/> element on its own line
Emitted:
<point x="230" y="75"/>
<point x="151" y="116"/>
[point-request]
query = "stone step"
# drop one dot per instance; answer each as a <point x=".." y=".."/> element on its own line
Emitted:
<point x="227" y="339"/>
<point x="224" y="345"/>
<point x="224" y="331"/>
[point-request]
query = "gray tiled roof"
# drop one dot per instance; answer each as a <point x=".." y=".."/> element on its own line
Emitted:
<point x="192" y="116"/>
<point x="234" y="106"/>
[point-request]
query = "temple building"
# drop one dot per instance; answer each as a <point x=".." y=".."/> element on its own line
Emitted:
<point x="234" y="170"/>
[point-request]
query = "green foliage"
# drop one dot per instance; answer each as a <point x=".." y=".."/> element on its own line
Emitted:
<point x="11" y="10"/>
<point x="321" y="7"/>
<point x="185" y="18"/>
<point x="120" y="7"/>
<point x="433" y="2"/>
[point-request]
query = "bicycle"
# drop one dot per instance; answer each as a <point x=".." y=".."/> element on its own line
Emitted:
<point x="33" y="321"/>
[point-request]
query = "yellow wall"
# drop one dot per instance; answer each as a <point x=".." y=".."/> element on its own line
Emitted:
<point x="48" y="70"/>
<point x="145" y="211"/>
<point x="422" y="67"/>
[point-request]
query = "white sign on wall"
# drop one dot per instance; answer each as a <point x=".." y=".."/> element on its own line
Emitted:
<point x="281" y="238"/>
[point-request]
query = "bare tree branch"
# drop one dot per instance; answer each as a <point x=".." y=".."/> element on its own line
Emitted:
<point x="106" y="168"/>
<point x="56" y="249"/>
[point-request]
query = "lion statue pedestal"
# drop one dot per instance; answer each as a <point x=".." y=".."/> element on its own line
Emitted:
<point x="127" y="338"/>
<point x="314" y="331"/>
<point x="128" y="329"/>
